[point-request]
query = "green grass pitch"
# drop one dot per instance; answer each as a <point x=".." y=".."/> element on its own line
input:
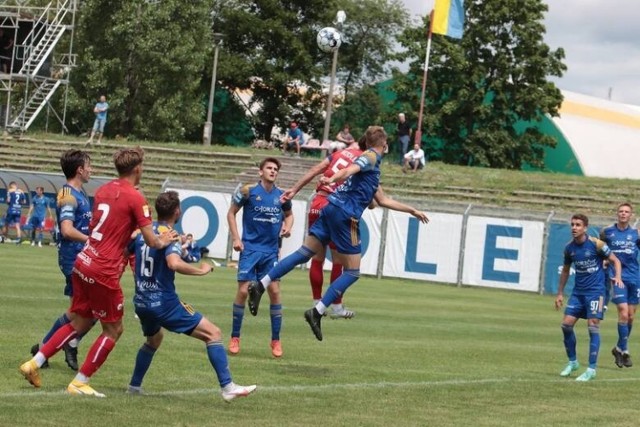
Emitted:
<point x="417" y="354"/>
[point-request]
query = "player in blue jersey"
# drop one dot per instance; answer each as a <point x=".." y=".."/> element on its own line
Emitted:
<point x="158" y="306"/>
<point x="38" y="213"/>
<point x="624" y="241"/>
<point x="587" y="255"/>
<point x="339" y="223"/>
<point x="74" y="214"/>
<point x="265" y="219"/>
<point x="15" y="200"/>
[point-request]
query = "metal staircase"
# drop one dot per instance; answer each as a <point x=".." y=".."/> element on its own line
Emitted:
<point x="46" y="35"/>
<point x="49" y="24"/>
<point x="39" y="98"/>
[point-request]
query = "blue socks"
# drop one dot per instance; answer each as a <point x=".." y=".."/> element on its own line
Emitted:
<point x="594" y="345"/>
<point x="238" y="316"/>
<point x="215" y="351"/>
<point x="340" y="286"/>
<point x="218" y="358"/>
<point x="569" y="341"/>
<point x="143" y="361"/>
<point x="623" y="336"/>
<point x="275" y="310"/>
<point x="301" y="256"/>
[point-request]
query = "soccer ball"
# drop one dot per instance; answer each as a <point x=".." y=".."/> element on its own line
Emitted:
<point x="329" y="39"/>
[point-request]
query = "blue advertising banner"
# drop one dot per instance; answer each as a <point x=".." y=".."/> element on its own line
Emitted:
<point x="559" y="236"/>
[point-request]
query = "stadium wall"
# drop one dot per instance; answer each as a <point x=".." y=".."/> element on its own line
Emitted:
<point x="471" y="247"/>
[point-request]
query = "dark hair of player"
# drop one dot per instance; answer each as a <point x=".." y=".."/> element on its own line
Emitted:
<point x="166" y="204"/>
<point x="581" y="217"/>
<point x="71" y="160"/>
<point x="270" y="160"/>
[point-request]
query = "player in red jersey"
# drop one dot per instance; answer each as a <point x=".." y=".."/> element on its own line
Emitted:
<point x="328" y="167"/>
<point x="118" y="209"/>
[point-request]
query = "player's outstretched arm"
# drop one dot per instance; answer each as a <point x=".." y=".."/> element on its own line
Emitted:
<point x="387" y="202"/>
<point x="342" y="174"/>
<point x="158" y="241"/>
<point x="318" y="169"/>
<point x="179" y="266"/>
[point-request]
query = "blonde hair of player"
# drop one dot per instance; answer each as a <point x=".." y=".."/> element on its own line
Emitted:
<point x="126" y="159"/>
<point x="375" y="136"/>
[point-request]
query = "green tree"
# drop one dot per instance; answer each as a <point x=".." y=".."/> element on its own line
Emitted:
<point x="370" y="32"/>
<point x="148" y="58"/>
<point x="481" y="87"/>
<point x="270" y="50"/>
<point x="360" y="110"/>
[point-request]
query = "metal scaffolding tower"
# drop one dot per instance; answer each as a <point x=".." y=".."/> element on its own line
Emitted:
<point x="33" y="70"/>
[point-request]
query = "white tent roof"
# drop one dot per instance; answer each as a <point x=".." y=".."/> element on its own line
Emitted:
<point x="604" y="135"/>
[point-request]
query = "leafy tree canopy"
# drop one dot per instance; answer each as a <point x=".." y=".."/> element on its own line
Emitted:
<point x="480" y="87"/>
<point x="148" y="59"/>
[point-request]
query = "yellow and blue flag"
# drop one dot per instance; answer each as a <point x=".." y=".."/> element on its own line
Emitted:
<point x="448" y="18"/>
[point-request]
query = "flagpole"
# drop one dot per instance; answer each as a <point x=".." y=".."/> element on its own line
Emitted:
<point x="418" y="135"/>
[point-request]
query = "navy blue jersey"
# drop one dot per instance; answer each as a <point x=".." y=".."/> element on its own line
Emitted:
<point x="72" y="205"/>
<point x="587" y="260"/>
<point x="15" y="200"/>
<point x="155" y="281"/>
<point x="624" y="244"/>
<point x="262" y="216"/>
<point x="40" y="204"/>
<point x="356" y="193"/>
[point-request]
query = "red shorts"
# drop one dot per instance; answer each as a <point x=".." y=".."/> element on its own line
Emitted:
<point x="93" y="299"/>
<point x="318" y="202"/>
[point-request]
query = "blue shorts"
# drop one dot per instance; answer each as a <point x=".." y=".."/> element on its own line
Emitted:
<point x="334" y="225"/>
<point x="36" y="222"/>
<point x="630" y="294"/>
<point x="65" y="262"/>
<point x="12" y="219"/>
<point x="180" y="318"/>
<point x="66" y="270"/>
<point x="253" y="264"/>
<point x="586" y="306"/>
<point x="98" y="125"/>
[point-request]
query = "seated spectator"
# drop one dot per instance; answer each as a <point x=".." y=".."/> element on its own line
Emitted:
<point x="345" y="136"/>
<point x="343" y="139"/>
<point x="190" y="250"/>
<point x="294" y="139"/>
<point x="414" y="159"/>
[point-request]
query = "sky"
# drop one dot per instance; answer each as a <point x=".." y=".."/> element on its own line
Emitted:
<point x="600" y="40"/>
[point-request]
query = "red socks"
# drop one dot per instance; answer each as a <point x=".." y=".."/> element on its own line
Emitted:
<point x="316" y="277"/>
<point x="62" y="336"/>
<point x="98" y="353"/>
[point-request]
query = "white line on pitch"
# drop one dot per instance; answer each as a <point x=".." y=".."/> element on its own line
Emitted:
<point x="321" y="387"/>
